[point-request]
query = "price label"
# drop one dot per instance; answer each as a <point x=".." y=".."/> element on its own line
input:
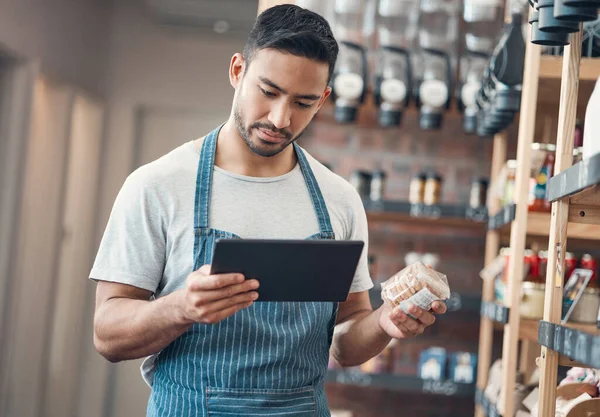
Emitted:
<point x="354" y="378"/>
<point x="440" y="387"/>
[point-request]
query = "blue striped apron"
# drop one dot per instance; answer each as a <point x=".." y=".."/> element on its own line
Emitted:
<point x="267" y="360"/>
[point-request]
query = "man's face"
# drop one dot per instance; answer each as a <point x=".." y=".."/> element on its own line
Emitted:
<point x="277" y="96"/>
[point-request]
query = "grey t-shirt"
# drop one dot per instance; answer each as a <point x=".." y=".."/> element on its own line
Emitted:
<point x="148" y="242"/>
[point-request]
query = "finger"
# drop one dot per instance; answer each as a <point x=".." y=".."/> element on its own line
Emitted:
<point x="225" y="303"/>
<point x="413" y="325"/>
<point x="401" y="326"/>
<point x="421" y="315"/>
<point x="230" y="311"/>
<point x="439" y="307"/>
<point x="227" y="292"/>
<point x="199" y="282"/>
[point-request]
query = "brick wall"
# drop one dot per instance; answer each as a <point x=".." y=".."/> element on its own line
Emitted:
<point x="402" y="152"/>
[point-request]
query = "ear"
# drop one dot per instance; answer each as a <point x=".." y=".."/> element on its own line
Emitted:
<point x="236" y="70"/>
<point x="326" y="94"/>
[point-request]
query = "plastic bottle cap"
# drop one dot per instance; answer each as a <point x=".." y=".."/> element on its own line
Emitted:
<point x="393" y="90"/>
<point x="348" y="86"/>
<point x="433" y="93"/>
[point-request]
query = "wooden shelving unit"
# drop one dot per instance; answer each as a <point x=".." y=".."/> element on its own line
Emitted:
<point x="575" y="195"/>
<point x="542" y="77"/>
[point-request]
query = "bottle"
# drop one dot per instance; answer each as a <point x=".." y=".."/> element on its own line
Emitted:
<point x="435" y="60"/>
<point x="591" y="130"/>
<point x="350" y="75"/>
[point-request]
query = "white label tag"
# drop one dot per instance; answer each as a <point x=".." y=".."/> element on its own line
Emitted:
<point x="423" y="299"/>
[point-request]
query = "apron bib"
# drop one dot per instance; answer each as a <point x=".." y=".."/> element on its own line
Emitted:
<point x="267" y="360"/>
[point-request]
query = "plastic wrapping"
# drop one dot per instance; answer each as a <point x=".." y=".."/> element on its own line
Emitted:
<point x="416" y="284"/>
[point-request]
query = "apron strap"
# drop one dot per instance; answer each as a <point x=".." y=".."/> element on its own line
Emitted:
<point x="204" y="179"/>
<point x="315" y="195"/>
<point x="204" y="185"/>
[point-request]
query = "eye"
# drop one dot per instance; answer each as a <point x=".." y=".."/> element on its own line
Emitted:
<point x="267" y="93"/>
<point x="304" y="105"/>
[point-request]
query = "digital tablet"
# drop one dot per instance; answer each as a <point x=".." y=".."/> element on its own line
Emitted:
<point x="291" y="270"/>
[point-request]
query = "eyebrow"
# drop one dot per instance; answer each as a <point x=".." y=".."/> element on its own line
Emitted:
<point x="281" y="90"/>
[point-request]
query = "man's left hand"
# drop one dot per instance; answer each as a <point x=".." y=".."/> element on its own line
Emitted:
<point x="399" y="325"/>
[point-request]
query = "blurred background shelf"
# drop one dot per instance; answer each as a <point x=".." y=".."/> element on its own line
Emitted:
<point x="538" y="224"/>
<point x="551" y="68"/>
<point x="446" y="215"/>
<point x="404" y="383"/>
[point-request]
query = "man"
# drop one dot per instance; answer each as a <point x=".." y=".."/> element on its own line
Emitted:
<point x="211" y="350"/>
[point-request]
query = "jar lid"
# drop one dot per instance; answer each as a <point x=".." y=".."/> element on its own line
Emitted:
<point x="421" y="176"/>
<point x="379" y="173"/>
<point x="434" y="176"/>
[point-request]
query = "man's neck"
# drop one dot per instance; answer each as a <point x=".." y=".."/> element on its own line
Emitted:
<point x="234" y="155"/>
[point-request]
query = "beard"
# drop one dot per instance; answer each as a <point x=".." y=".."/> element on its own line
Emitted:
<point x="258" y="146"/>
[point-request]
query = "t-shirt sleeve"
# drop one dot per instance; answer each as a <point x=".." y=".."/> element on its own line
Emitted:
<point x="359" y="230"/>
<point x="132" y="250"/>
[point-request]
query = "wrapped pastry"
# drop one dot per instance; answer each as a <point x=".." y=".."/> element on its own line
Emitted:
<point x="416" y="284"/>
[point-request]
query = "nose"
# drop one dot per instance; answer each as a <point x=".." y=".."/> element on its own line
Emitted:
<point x="280" y="114"/>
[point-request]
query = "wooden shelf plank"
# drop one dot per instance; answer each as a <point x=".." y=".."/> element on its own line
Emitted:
<point x="551" y="68"/>
<point x="579" y="182"/>
<point x="538" y="224"/>
<point x="443" y="215"/>
<point x="577" y="342"/>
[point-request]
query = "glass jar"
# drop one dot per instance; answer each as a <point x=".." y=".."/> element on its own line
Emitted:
<point x="543" y="255"/>
<point x="361" y="181"/>
<point x="570" y="265"/>
<point x="398" y="23"/>
<point x="478" y="194"/>
<point x="589" y="262"/>
<point x="377" y="188"/>
<point x="433" y="190"/>
<point x="532" y="300"/>
<point x="392" y="84"/>
<point x="509" y="186"/>
<point x="417" y="189"/>
<point x="586" y="309"/>
<point x="543" y="158"/>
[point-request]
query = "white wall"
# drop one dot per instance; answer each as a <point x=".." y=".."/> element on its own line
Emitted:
<point x="163" y="69"/>
<point x="154" y="73"/>
<point x="69" y="37"/>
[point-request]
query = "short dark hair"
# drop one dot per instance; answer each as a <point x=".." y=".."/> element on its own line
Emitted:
<point x="292" y="29"/>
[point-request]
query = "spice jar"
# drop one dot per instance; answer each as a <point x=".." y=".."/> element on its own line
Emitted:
<point x="361" y="180"/>
<point x="417" y="189"/>
<point x="588" y="262"/>
<point x="377" y="185"/>
<point x="586" y="309"/>
<point x="570" y="265"/>
<point x="543" y="255"/>
<point x="543" y="157"/>
<point x="433" y="189"/>
<point x="532" y="300"/>
<point x="509" y="187"/>
<point x="533" y="261"/>
<point x="478" y="194"/>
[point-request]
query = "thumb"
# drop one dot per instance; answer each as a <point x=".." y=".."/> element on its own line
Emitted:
<point x="204" y="269"/>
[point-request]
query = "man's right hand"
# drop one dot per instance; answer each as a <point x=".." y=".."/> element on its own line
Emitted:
<point x="210" y="298"/>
